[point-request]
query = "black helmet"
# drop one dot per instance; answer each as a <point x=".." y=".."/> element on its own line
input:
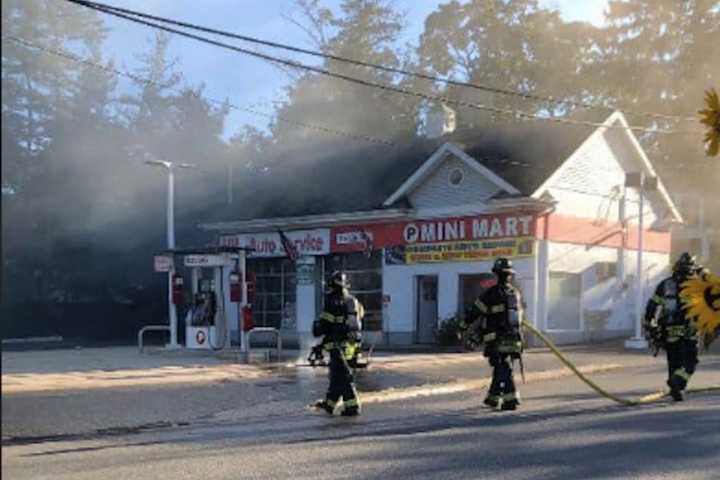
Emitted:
<point x="685" y="265"/>
<point x="503" y="265"/>
<point x="338" y="280"/>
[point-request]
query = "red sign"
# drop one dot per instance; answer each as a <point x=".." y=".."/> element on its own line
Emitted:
<point x="350" y="239"/>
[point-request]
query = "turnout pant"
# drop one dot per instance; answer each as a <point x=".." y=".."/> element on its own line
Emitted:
<point x="502" y="387"/>
<point x="342" y="383"/>
<point x="682" y="357"/>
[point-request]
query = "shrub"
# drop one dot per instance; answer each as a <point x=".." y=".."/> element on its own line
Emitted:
<point x="450" y="332"/>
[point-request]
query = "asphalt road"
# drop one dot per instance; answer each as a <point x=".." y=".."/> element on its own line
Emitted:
<point x="562" y="431"/>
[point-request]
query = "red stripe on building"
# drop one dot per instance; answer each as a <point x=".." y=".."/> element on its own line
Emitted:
<point x="586" y="231"/>
<point x="349" y="238"/>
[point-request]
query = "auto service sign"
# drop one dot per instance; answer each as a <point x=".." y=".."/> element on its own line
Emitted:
<point x="268" y="244"/>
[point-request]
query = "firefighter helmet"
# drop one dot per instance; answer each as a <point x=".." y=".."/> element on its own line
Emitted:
<point x="338" y="280"/>
<point x="685" y="265"/>
<point x="503" y="265"/>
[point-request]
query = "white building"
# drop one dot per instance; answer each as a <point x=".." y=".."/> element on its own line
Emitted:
<point x="418" y="228"/>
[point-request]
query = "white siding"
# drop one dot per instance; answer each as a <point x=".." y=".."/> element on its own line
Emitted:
<point x="399" y="284"/>
<point x="436" y="190"/>
<point x="613" y="295"/>
<point x="590" y="185"/>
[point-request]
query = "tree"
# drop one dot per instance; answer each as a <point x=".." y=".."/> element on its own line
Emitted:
<point x="365" y="30"/>
<point x="38" y="89"/>
<point x="656" y="56"/>
<point x="511" y="45"/>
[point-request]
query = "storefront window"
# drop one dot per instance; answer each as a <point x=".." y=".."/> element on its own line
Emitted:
<point x="365" y="277"/>
<point x="275" y="292"/>
<point x="471" y="287"/>
<point x="564" y="301"/>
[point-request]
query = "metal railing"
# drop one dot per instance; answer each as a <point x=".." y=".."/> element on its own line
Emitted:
<point x="147" y="329"/>
<point x="274" y="331"/>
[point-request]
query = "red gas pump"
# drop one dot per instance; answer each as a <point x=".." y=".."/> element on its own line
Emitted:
<point x="177" y="288"/>
<point x="236" y="290"/>
<point x="250" y="285"/>
<point x="248" y="323"/>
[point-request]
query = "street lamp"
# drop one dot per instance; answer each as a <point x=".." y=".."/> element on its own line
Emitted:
<point x="170" y="167"/>
<point x="643" y="184"/>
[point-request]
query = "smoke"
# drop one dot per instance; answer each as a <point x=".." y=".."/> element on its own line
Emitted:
<point x="74" y="138"/>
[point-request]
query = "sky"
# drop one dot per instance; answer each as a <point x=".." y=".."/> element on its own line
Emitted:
<point x="251" y="82"/>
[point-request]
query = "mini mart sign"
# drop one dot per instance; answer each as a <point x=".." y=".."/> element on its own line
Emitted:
<point x="348" y="238"/>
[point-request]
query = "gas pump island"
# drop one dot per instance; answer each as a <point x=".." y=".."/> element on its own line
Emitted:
<point x="222" y="295"/>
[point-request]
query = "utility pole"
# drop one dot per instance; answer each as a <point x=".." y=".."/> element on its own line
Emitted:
<point x="172" y="310"/>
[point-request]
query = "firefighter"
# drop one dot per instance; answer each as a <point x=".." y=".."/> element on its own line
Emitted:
<point x="667" y="325"/>
<point x="340" y="326"/>
<point x="497" y="315"/>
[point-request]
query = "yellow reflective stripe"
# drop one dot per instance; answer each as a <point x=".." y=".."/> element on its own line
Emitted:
<point x="680" y="372"/>
<point x="327" y="316"/>
<point x="332" y="403"/>
<point x="481" y="306"/>
<point x="510" y="347"/>
<point x="511" y="396"/>
<point x="351" y="403"/>
<point x="490" y="337"/>
<point x="677" y="330"/>
<point x="657" y="299"/>
<point x="329" y="346"/>
<point x="350" y="350"/>
<point x="494" y="398"/>
<point x="497" y="308"/>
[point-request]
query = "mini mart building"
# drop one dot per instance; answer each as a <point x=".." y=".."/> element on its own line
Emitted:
<point x="417" y="230"/>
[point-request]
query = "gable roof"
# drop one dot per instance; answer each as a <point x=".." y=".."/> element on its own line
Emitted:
<point x="519" y="157"/>
<point x="617" y="119"/>
<point x="429" y="166"/>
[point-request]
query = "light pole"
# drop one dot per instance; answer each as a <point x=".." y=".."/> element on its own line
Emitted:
<point x="643" y="184"/>
<point x="170" y="167"/>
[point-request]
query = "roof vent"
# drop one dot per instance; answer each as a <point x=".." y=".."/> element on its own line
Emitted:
<point x="440" y="120"/>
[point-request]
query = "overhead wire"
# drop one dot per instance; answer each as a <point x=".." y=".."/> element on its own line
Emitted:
<point x="246" y="38"/>
<point x="384" y="87"/>
<point x="147" y="81"/>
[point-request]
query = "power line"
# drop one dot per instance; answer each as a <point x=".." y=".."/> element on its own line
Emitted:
<point x="390" y="88"/>
<point x="71" y="57"/>
<point x="147" y="81"/>
<point x="110" y="9"/>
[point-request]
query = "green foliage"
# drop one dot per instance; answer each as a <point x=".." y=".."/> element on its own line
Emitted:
<point x="450" y="332"/>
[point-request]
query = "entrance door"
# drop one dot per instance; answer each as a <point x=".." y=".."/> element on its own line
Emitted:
<point x="427" y="308"/>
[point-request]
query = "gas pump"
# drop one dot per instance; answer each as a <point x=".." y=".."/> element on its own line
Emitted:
<point x="217" y="290"/>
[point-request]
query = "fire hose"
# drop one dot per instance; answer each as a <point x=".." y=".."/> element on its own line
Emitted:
<point x="653" y="397"/>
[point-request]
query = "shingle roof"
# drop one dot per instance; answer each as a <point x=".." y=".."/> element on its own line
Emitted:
<point x="307" y="183"/>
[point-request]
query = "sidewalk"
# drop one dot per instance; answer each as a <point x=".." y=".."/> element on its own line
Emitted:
<point x="63" y="392"/>
<point x="115" y="367"/>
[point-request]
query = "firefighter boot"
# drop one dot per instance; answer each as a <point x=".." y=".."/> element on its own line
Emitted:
<point x="510" y="405"/>
<point x="325" y="405"/>
<point x="675" y="391"/>
<point x="491" y="401"/>
<point x="350" y="412"/>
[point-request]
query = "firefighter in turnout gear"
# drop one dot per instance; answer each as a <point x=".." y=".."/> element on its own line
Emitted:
<point x="340" y="326"/>
<point x="667" y="325"/>
<point x="497" y="315"/>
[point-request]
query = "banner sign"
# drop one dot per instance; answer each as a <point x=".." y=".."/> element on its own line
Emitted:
<point x="421" y="232"/>
<point x="206" y="261"/>
<point x="473" y="251"/>
<point x="269" y="244"/>
<point x="163" y="263"/>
